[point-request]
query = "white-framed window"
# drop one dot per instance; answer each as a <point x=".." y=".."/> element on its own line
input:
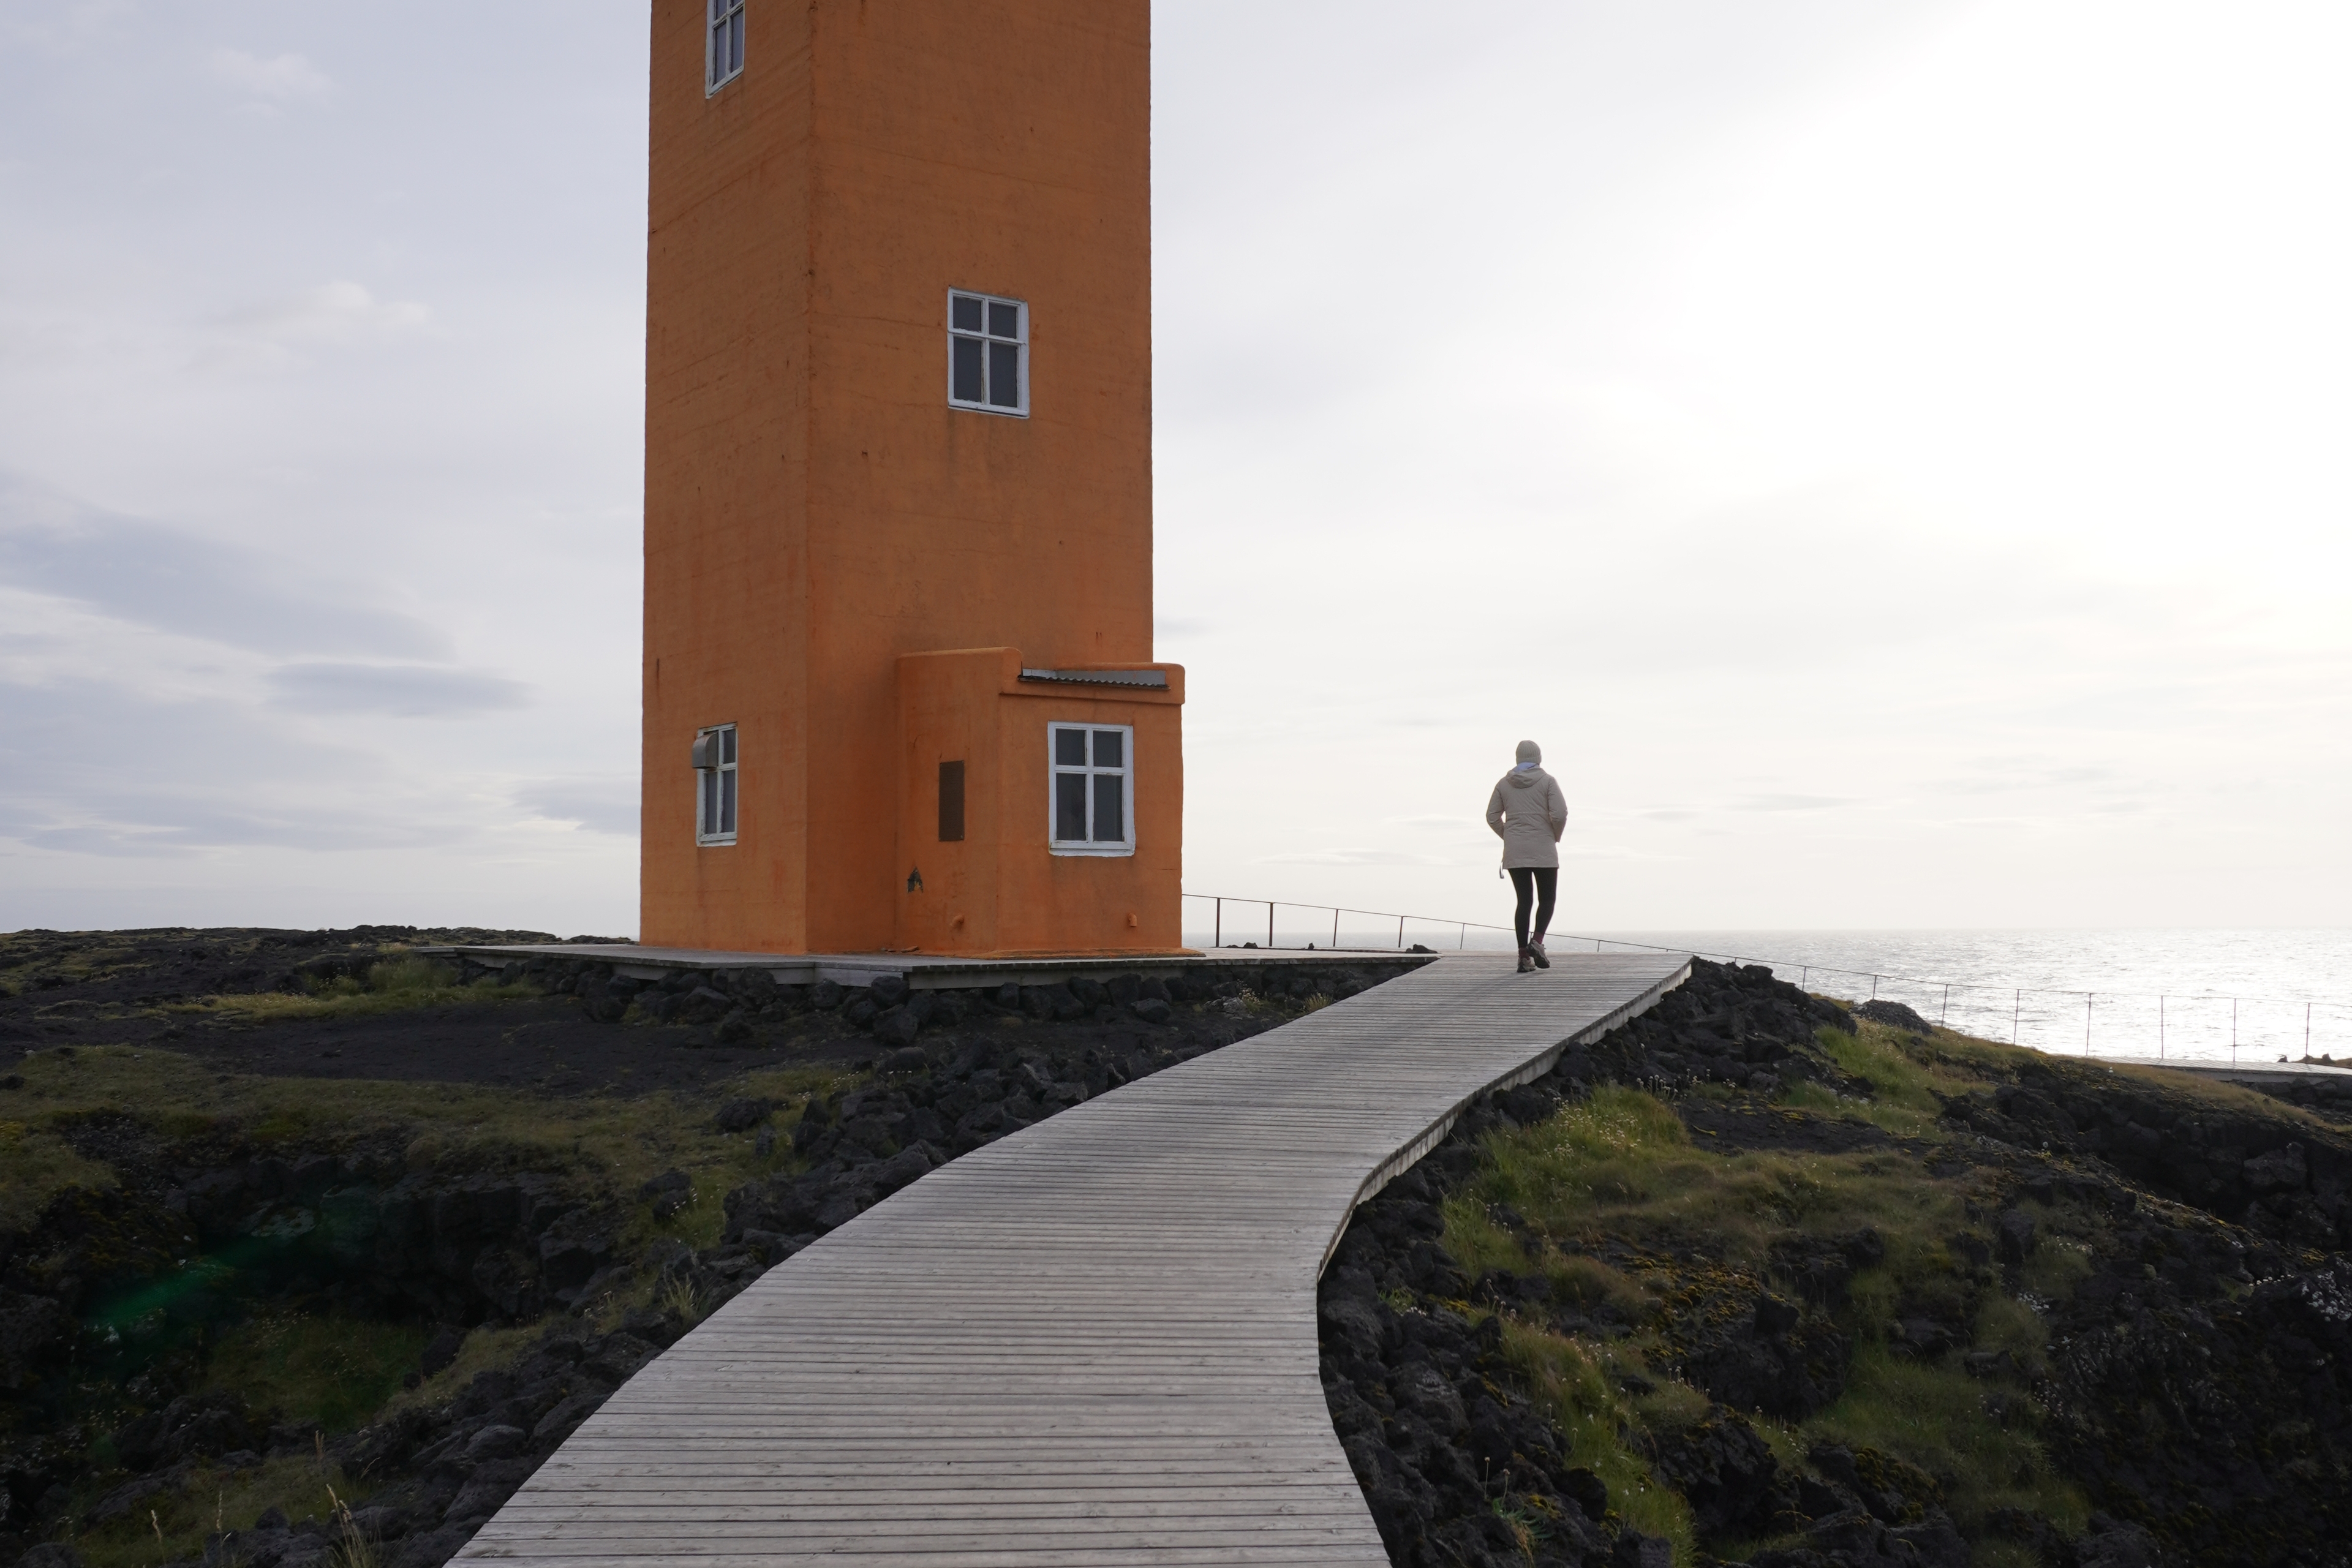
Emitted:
<point x="988" y="353"/>
<point x="714" y="784"/>
<point x="723" y="51"/>
<point x="1091" y="772"/>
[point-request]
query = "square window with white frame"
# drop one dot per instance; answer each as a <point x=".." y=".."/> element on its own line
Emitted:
<point x="988" y="353"/>
<point x="1092" y="807"/>
<point x="723" y="46"/>
<point x="714" y="779"/>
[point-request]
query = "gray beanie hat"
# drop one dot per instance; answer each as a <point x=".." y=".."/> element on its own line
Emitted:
<point x="1529" y="751"/>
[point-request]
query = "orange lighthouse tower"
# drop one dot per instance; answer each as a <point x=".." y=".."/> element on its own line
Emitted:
<point x="899" y="685"/>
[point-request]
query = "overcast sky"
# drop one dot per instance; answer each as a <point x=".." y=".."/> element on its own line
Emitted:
<point x="1892" y="457"/>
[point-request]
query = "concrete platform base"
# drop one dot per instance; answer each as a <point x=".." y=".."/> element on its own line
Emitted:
<point x="926" y="971"/>
<point x="2251" y="1073"/>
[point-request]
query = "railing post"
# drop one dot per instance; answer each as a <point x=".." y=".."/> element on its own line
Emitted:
<point x="1462" y="940"/>
<point x="1269" y="922"/>
<point x="1400" y="934"/>
<point x="1218" y="940"/>
<point x="1335" y="928"/>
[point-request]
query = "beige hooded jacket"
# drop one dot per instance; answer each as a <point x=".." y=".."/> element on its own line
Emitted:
<point x="1528" y="812"/>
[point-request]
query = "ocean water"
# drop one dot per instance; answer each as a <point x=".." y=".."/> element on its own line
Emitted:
<point x="2261" y="995"/>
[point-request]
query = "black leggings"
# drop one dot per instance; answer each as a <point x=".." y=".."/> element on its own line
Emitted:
<point x="1533" y="882"/>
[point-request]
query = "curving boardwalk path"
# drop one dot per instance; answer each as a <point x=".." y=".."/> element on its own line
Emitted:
<point x="1090" y="1343"/>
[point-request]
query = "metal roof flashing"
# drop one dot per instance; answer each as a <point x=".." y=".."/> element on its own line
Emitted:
<point x="1155" y="678"/>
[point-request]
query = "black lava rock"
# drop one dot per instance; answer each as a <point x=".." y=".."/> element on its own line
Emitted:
<point x="741" y="1115"/>
<point x="1895" y="1014"/>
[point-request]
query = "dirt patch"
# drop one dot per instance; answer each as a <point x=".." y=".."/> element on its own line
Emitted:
<point x="1755" y="1122"/>
<point x="547" y="1044"/>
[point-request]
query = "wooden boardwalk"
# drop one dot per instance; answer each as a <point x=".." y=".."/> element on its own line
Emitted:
<point x="1090" y="1343"/>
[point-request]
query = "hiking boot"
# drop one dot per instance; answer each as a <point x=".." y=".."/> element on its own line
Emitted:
<point x="1536" y="952"/>
<point x="1526" y="960"/>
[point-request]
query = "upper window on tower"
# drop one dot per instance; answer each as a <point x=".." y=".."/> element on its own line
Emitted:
<point x="988" y="353"/>
<point x="723" y="59"/>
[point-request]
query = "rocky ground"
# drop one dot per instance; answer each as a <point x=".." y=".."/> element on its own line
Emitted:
<point x="1753" y="1280"/>
<point x="267" y="1305"/>
<point x="288" y="1004"/>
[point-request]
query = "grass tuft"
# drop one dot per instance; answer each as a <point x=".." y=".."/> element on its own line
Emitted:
<point x="352" y="1547"/>
<point x="678" y="1296"/>
<point x="176" y="1525"/>
<point x="1575" y="1384"/>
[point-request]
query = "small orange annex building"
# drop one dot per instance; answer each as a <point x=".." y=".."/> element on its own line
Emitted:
<point x="899" y="685"/>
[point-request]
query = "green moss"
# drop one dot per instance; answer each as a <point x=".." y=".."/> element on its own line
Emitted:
<point x="482" y="1349"/>
<point x="1627" y="1216"/>
<point x="392" y="985"/>
<point x="1574" y="1382"/>
<point x="1872" y="1055"/>
<point x="2057" y="1265"/>
<point x="36" y="1165"/>
<point x="2006" y="1324"/>
<point x="330" y="1372"/>
<point x="1933" y="1416"/>
<point x="608" y="1142"/>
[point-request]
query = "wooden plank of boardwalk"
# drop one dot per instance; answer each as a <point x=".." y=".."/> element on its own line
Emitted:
<point x="1092" y="1343"/>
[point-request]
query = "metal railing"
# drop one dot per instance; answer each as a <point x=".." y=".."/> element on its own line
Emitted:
<point x="1941" y="992"/>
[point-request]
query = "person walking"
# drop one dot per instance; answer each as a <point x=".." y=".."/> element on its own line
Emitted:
<point x="1528" y="813"/>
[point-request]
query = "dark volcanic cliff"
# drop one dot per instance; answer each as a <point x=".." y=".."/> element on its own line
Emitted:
<point x="1748" y="1281"/>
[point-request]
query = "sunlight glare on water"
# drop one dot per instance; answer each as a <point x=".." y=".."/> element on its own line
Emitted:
<point x="2116" y="992"/>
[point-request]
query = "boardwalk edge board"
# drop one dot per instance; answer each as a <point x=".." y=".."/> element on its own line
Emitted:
<point x="1413" y="1152"/>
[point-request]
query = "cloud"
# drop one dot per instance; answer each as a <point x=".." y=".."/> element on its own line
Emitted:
<point x="336" y="314"/>
<point x="341" y="315"/>
<point x="91" y="767"/>
<point x="282" y="79"/>
<point x="599" y="806"/>
<point x="151" y="576"/>
<point x="1791" y="803"/>
<point x="1355" y="858"/>
<point x="2001" y="774"/>
<point x="73" y="27"/>
<point x="402" y="691"/>
<point x="1574" y="851"/>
